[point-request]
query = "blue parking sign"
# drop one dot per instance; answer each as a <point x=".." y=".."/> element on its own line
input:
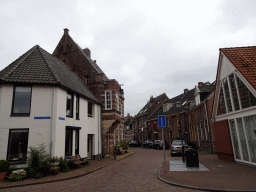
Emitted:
<point x="161" y="121"/>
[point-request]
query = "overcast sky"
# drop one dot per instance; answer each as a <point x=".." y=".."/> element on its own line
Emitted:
<point x="152" y="47"/>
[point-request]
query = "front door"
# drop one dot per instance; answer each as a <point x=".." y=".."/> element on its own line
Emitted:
<point x="89" y="147"/>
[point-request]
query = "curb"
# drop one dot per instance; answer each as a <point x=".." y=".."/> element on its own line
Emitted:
<point x="194" y="187"/>
<point x="74" y="177"/>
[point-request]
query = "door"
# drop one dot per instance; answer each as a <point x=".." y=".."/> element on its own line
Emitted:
<point x="89" y="147"/>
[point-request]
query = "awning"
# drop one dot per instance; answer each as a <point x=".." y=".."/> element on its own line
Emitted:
<point x="73" y="127"/>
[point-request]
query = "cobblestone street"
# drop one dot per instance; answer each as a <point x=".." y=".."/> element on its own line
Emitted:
<point x="134" y="173"/>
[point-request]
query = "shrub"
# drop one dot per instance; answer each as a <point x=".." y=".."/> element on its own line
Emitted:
<point x="37" y="161"/>
<point x="124" y="144"/>
<point x="63" y="164"/>
<point x="4" y="166"/>
<point x="45" y="168"/>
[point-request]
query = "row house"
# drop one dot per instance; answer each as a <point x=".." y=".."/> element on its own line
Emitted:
<point x="175" y="110"/>
<point x="43" y="102"/>
<point x="107" y="91"/>
<point x="141" y="129"/>
<point x="200" y="126"/>
<point x="234" y="105"/>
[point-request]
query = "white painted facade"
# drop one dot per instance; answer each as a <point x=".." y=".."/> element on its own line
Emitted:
<point x="50" y="101"/>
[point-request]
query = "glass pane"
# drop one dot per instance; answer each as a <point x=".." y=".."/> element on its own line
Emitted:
<point x="234" y="139"/>
<point x="68" y="143"/>
<point x="221" y="108"/>
<point x="18" y="145"/>
<point x="250" y="127"/>
<point x="247" y="98"/>
<point x="226" y="89"/>
<point x="234" y="91"/>
<point x="69" y="108"/>
<point x="242" y="139"/>
<point x="22" y="97"/>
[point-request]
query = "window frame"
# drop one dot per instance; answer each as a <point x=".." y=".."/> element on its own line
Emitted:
<point x="77" y="107"/>
<point x="13" y="101"/>
<point x="106" y="100"/>
<point x="90" y="103"/>
<point x="72" y="106"/>
<point x="9" y="144"/>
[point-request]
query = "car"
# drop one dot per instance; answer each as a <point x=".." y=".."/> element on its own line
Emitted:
<point x="176" y="147"/>
<point x="158" y="144"/>
<point x="146" y="143"/>
<point x="134" y="143"/>
<point x="150" y="144"/>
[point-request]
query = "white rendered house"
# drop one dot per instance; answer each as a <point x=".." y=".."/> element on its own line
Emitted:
<point x="43" y="101"/>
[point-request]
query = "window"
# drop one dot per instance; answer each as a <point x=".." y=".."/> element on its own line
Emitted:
<point x="18" y="145"/>
<point x="69" y="108"/>
<point x="246" y="97"/>
<point x="21" y="100"/>
<point x="77" y="107"/>
<point x="170" y="122"/>
<point x="68" y="142"/>
<point x="221" y="106"/>
<point x="90" y="109"/>
<point x="234" y="92"/>
<point x="228" y="99"/>
<point x="86" y="79"/>
<point x="117" y="102"/>
<point x="164" y="108"/>
<point x="77" y="142"/>
<point x="108" y="100"/>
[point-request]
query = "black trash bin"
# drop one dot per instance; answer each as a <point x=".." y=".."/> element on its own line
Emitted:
<point x="192" y="158"/>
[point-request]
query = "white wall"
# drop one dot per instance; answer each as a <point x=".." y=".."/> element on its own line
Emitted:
<point x="40" y="130"/>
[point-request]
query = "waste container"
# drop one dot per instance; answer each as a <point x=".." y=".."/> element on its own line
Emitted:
<point x="192" y="158"/>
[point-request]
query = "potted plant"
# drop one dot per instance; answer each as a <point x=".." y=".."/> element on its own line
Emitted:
<point x="17" y="175"/>
<point x="4" y="167"/>
<point x="55" y="170"/>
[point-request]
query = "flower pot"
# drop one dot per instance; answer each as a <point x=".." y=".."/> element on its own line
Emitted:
<point x="2" y="175"/>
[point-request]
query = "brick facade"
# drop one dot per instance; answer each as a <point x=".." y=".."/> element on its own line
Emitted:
<point x="79" y="61"/>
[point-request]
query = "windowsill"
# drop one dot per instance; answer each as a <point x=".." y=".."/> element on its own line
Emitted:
<point x="20" y="115"/>
<point x="69" y="116"/>
<point x="90" y="116"/>
<point x="78" y="119"/>
<point x="17" y="162"/>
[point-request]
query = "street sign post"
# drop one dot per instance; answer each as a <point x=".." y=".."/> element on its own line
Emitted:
<point x="162" y="124"/>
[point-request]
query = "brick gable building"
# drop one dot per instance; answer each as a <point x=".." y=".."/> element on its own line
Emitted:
<point x="108" y="91"/>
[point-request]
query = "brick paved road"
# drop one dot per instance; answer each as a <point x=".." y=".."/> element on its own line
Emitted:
<point x="135" y="173"/>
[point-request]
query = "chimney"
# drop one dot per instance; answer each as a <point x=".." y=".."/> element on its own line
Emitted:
<point x="151" y="99"/>
<point x="87" y="52"/>
<point x="200" y="83"/>
<point x="185" y="91"/>
<point x="66" y="31"/>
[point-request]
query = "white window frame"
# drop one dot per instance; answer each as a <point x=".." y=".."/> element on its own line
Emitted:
<point x="117" y="101"/>
<point x="107" y="107"/>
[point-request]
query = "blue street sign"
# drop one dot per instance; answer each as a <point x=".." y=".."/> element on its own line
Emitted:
<point x="161" y="121"/>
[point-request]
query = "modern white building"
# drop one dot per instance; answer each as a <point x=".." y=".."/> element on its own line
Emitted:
<point x="234" y="109"/>
<point x="43" y="101"/>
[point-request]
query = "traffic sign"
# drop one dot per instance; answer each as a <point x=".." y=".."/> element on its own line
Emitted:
<point x="161" y="121"/>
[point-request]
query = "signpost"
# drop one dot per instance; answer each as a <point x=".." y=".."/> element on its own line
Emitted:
<point x="162" y="124"/>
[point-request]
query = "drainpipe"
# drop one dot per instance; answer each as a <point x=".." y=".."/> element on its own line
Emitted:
<point x="53" y="106"/>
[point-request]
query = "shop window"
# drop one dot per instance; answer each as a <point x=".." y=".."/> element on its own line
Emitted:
<point x="18" y="145"/>
<point x="21" y="100"/>
<point x="234" y="139"/>
<point x="242" y="139"/>
<point x="250" y="124"/>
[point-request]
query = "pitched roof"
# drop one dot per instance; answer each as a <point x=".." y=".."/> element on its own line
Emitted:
<point x="184" y="97"/>
<point x="37" y="66"/>
<point x="206" y="87"/>
<point x="94" y="64"/>
<point x="244" y="59"/>
<point x="148" y="105"/>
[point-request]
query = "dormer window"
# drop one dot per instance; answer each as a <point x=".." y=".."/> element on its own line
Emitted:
<point x="178" y="104"/>
<point x="165" y="108"/>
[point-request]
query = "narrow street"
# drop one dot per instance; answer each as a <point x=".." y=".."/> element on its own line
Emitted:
<point x="135" y="173"/>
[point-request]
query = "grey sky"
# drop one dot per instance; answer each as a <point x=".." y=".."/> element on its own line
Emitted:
<point x="152" y="47"/>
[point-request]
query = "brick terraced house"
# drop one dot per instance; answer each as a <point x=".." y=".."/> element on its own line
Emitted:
<point x="108" y="91"/>
<point x="175" y="110"/>
<point x="234" y="109"/>
<point x="142" y="131"/>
